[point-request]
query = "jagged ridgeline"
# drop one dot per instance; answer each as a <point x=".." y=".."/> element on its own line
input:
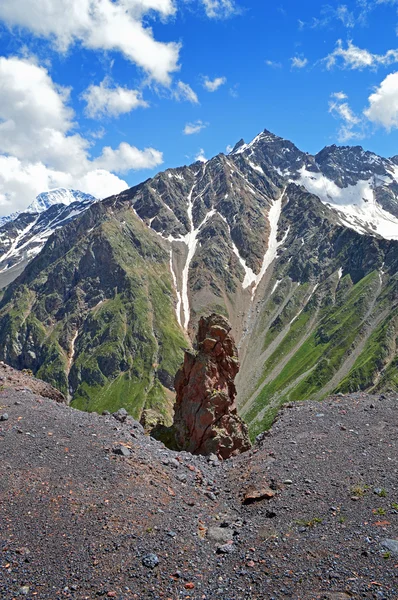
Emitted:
<point x="299" y="252"/>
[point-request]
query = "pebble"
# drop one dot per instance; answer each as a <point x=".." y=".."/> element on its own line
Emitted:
<point x="220" y="534"/>
<point x="121" y="450"/>
<point x="4" y="417"/>
<point x="225" y="549"/>
<point x="150" y="561"/>
<point x="24" y="590"/>
<point x="171" y="534"/>
<point x="288" y="482"/>
<point x="391" y="545"/>
<point x="211" y="495"/>
<point x="120" y="415"/>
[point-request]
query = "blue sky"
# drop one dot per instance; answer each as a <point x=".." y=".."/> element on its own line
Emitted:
<point x="101" y="94"/>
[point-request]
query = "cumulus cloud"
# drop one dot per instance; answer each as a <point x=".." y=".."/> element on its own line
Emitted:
<point x="201" y="156"/>
<point x="38" y="147"/>
<point x="353" y="57"/>
<point x="383" y="103"/>
<point x="340" y="109"/>
<point x="299" y="62"/>
<point x="191" y="128"/>
<point x="100" y="25"/>
<point x="104" y="100"/>
<point x="220" y="9"/>
<point x="212" y="85"/>
<point x="127" y="157"/>
<point x="183" y="91"/>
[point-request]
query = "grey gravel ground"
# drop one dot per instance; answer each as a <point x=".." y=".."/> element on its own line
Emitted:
<point x="80" y="519"/>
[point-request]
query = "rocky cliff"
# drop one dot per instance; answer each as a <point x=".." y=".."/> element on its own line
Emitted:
<point x="205" y="416"/>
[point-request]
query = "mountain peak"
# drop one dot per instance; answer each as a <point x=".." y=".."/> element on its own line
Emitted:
<point x="57" y="196"/>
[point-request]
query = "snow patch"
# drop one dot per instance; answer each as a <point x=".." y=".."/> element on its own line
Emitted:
<point x="179" y="298"/>
<point x="355" y="204"/>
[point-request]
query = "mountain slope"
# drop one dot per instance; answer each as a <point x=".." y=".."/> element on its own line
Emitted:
<point x="309" y="282"/>
<point x="93" y="313"/>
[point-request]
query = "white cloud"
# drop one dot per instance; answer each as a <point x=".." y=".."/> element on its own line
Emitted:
<point x="220" y="9"/>
<point x="104" y="100"/>
<point x="345" y="16"/>
<point x="38" y="148"/>
<point x="340" y="109"/>
<point x="183" y="91"/>
<point x="273" y="64"/>
<point x="229" y="149"/>
<point x="339" y="95"/>
<point x="383" y="103"/>
<point x="99" y="25"/>
<point x="201" y="156"/>
<point x="211" y="85"/>
<point x="191" y="128"/>
<point x="299" y="63"/>
<point x="126" y="157"/>
<point x="353" y="57"/>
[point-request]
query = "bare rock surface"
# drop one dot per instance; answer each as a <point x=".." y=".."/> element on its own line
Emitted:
<point x="79" y="521"/>
<point x="206" y="419"/>
<point x="22" y="381"/>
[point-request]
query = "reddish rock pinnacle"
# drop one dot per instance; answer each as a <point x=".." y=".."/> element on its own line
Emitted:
<point x="206" y="419"/>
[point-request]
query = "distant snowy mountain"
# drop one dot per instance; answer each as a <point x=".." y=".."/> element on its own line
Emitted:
<point x="58" y="196"/>
<point x="8" y="218"/>
<point x="24" y="234"/>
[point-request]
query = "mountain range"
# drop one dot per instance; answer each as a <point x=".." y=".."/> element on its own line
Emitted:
<point x="299" y="252"/>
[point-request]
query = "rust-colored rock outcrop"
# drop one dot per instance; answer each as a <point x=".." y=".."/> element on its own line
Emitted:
<point x="206" y="420"/>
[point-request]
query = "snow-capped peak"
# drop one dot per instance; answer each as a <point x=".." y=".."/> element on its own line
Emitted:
<point x="57" y="196"/>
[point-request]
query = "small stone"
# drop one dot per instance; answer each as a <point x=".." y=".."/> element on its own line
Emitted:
<point x="354" y="498"/>
<point x="391" y="545"/>
<point x="225" y="549"/>
<point x="174" y="463"/>
<point x="189" y="586"/>
<point x="171" y="534"/>
<point x="121" y="450"/>
<point x="4" y="417"/>
<point x="105" y="413"/>
<point x="150" y="561"/>
<point x="181" y="477"/>
<point x="211" y="495"/>
<point x="120" y="415"/>
<point x="222" y="535"/>
<point x="24" y="590"/>
<point x="111" y="594"/>
<point x="288" y="482"/>
<point x="256" y="495"/>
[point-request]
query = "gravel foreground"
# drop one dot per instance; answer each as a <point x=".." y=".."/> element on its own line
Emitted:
<point x="91" y="507"/>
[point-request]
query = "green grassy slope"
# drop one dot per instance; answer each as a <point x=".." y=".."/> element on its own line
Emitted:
<point x="98" y="321"/>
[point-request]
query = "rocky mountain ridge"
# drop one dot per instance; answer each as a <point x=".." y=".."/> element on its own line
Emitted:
<point x="308" y="282"/>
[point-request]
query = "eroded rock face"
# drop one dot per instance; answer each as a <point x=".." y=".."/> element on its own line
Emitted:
<point x="206" y="419"/>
